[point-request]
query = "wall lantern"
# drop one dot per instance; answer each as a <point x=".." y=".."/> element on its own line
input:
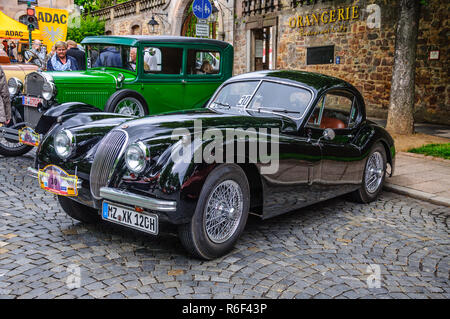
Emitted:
<point x="153" y="23"/>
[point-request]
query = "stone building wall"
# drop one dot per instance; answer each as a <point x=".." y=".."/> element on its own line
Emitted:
<point x="132" y="17"/>
<point x="364" y="46"/>
<point x="14" y="10"/>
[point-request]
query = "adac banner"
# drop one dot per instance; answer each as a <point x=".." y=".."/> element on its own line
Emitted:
<point x="52" y="24"/>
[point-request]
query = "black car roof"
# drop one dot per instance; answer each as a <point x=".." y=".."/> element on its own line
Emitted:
<point x="315" y="81"/>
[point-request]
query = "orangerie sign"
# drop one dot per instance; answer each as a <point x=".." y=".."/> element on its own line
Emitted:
<point x="331" y="21"/>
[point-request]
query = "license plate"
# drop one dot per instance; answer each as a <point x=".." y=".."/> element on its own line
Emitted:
<point x="28" y="136"/>
<point x="55" y="180"/>
<point x="31" y="101"/>
<point x="129" y="217"/>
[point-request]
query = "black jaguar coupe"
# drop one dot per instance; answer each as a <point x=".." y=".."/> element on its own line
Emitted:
<point x="267" y="143"/>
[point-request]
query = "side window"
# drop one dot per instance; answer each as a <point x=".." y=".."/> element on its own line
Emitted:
<point x="203" y="62"/>
<point x="161" y="60"/>
<point x="336" y="110"/>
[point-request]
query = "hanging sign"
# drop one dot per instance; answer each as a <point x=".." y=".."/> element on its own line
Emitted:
<point x="52" y="24"/>
<point x="202" y="9"/>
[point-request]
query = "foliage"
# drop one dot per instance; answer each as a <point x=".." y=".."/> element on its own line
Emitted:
<point x="88" y="26"/>
<point x="437" y="150"/>
<point x="92" y="5"/>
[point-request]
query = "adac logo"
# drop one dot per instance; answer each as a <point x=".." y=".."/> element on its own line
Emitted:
<point x="52" y="17"/>
<point x="53" y="34"/>
<point x="13" y="33"/>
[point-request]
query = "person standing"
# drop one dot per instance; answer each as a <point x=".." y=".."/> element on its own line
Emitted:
<point x="36" y="55"/>
<point x="60" y="61"/>
<point x="75" y="52"/>
<point x="5" y="102"/>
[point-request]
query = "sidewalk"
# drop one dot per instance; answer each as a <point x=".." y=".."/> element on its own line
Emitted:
<point x="419" y="176"/>
<point x="422" y="177"/>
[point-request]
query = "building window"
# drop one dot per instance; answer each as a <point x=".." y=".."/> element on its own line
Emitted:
<point x="320" y="55"/>
<point x="136" y="30"/>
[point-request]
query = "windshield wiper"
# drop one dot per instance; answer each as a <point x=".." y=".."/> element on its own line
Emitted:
<point x="221" y="104"/>
<point x="274" y="110"/>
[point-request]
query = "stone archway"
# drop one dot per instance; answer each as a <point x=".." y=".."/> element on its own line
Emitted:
<point x="178" y="16"/>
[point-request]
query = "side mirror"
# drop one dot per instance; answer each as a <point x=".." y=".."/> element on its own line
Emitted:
<point x="329" y="134"/>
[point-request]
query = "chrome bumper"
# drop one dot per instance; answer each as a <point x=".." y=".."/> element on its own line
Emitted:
<point x="127" y="198"/>
<point x="9" y="133"/>
<point x="34" y="173"/>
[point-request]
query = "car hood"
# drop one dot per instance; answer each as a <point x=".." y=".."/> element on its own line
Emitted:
<point x="89" y="77"/>
<point x="18" y="70"/>
<point x="166" y="125"/>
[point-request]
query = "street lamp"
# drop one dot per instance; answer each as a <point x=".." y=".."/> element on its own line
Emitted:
<point x="214" y="13"/>
<point x="153" y="23"/>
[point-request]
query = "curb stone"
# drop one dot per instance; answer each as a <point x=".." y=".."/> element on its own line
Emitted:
<point x="437" y="200"/>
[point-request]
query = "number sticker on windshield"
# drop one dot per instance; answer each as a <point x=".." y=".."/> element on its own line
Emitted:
<point x="244" y="100"/>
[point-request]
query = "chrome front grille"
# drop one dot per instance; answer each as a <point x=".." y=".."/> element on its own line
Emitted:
<point x="33" y="84"/>
<point x="106" y="158"/>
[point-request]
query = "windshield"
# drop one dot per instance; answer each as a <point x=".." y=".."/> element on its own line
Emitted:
<point x="269" y="97"/>
<point x="116" y="56"/>
<point x="236" y="94"/>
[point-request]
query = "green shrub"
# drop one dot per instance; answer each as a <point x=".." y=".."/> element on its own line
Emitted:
<point x="88" y="26"/>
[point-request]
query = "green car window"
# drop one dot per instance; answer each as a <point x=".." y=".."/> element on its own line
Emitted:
<point x="116" y="56"/>
<point x="203" y="62"/>
<point x="163" y="60"/>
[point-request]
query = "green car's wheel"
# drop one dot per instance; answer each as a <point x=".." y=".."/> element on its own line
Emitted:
<point x="127" y="102"/>
<point x="220" y="215"/>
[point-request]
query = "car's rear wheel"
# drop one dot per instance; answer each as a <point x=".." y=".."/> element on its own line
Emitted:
<point x="374" y="175"/>
<point x="127" y="102"/>
<point x="220" y="215"/>
<point x="78" y="211"/>
<point x="13" y="148"/>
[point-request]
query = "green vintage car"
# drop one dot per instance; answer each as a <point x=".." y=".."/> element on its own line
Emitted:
<point x="131" y="75"/>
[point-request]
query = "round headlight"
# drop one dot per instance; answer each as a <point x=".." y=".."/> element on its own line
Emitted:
<point x="14" y="86"/>
<point x="64" y="142"/>
<point x="48" y="90"/>
<point x="136" y="157"/>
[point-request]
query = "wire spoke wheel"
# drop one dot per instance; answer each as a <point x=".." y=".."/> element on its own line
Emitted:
<point x="130" y="106"/>
<point x="374" y="172"/>
<point x="223" y="211"/>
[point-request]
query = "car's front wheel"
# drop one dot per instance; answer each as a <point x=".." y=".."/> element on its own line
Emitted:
<point x="127" y="102"/>
<point x="374" y="175"/>
<point x="220" y="215"/>
<point x="10" y="147"/>
<point x="78" y="211"/>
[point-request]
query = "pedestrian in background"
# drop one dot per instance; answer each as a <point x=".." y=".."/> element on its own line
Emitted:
<point x="36" y="55"/>
<point x="75" y="52"/>
<point x="5" y="102"/>
<point x="60" y="61"/>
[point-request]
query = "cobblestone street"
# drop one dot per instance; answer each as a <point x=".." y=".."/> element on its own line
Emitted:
<point x="330" y="250"/>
